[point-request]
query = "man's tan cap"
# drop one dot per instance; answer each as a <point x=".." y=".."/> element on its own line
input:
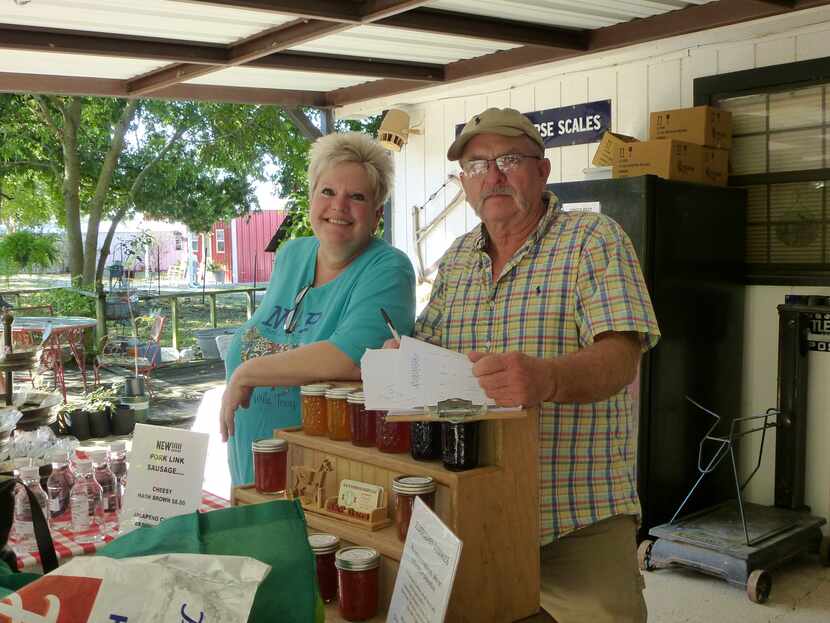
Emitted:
<point x="504" y="121"/>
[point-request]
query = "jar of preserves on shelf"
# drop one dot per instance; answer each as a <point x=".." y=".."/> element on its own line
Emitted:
<point x="270" y="465"/>
<point x="324" y="547"/>
<point x="425" y="441"/>
<point x="392" y="437"/>
<point x="459" y="445"/>
<point x="363" y="423"/>
<point x="406" y="489"/>
<point x="314" y="409"/>
<point x="337" y="413"/>
<point x="358" y="570"/>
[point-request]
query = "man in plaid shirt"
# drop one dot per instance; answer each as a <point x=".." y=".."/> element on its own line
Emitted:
<point x="553" y="310"/>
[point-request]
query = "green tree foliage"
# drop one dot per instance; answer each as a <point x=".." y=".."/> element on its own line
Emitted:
<point x="24" y="250"/>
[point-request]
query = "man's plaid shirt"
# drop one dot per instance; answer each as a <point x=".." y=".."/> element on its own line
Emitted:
<point x="575" y="277"/>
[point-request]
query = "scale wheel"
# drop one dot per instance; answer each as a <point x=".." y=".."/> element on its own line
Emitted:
<point x="824" y="551"/>
<point x="758" y="586"/>
<point x="644" y="555"/>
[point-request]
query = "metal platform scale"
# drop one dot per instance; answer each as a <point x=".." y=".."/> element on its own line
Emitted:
<point x="740" y="542"/>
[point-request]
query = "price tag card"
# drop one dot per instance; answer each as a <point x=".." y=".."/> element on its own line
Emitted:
<point x="167" y="466"/>
<point x="427" y="570"/>
<point x="359" y="496"/>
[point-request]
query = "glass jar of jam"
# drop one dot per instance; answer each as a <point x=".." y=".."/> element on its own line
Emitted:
<point x="392" y="437"/>
<point x="406" y="489"/>
<point x="459" y="445"/>
<point x="314" y="409"/>
<point x="363" y="423"/>
<point x="324" y="547"/>
<point x="338" y="413"/>
<point x="425" y="439"/>
<point x="270" y="465"/>
<point x="358" y="570"/>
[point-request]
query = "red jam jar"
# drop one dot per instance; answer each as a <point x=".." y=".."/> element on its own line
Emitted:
<point x="392" y="437"/>
<point x="406" y="489"/>
<point x="270" y="465"/>
<point x="337" y="412"/>
<point x="313" y="409"/>
<point x="363" y="423"/>
<point x="324" y="547"/>
<point x="358" y="570"/>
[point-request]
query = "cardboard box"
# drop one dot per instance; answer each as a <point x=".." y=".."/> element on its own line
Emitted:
<point x="674" y="160"/>
<point x="610" y="147"/>
<point x="702" y="125"/>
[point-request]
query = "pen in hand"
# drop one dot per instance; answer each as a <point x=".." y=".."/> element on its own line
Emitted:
<point x="389" y="324"/>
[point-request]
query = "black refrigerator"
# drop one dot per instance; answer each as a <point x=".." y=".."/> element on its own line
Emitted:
<point x="690" y="242"/>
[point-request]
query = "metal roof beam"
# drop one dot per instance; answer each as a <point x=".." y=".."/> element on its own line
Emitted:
<point x="261" y="45"/>
<point x="507" y="31"/>
<point x="98" y="44"/>
<point x="680" y="22"/>
<point x="350" y="65"/>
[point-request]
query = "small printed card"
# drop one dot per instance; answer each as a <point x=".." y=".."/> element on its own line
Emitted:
<point x="359" y="496"/>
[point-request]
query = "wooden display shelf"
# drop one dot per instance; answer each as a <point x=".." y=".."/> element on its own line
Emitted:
<point x="333" y="615"/>
<point x="402" y="463"/>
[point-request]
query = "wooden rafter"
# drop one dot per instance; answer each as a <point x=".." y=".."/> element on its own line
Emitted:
<point x="350" y="65"/>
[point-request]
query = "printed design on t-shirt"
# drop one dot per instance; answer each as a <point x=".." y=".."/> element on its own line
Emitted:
<point x="254" y="345"/>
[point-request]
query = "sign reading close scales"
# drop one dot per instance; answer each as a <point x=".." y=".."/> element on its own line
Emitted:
<point x="570" y="125"/>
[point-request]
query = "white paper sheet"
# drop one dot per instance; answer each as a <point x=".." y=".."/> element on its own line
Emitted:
<point x="415" y="375"/>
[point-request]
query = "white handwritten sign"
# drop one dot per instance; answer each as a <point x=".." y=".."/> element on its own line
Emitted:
<point x="167" y="466"/>
<point x="427" y="570"/>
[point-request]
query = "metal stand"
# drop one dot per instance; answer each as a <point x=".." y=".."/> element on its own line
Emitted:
<point x="740" y="542"/>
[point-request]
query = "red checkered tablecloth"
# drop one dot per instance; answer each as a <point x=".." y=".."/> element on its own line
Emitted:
<point x="66" y="548"/>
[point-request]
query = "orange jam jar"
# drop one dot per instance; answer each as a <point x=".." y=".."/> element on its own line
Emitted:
<point x="313" y="409"/>
<point x="405" y="490"/>
<point x="363" y="423"/>
<point x="358" y="574"/>
<point x="337" y="412"/>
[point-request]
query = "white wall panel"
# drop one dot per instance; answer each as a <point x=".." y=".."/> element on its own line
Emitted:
<point x="472" y="105"/>
<point x="522" y="98"/>
<point x="812" y="45"/>
<point x="736" y="58"/>
<point x="775" y="52"/>
<point x="435" y="176"/>
<point x="632" y="109"/>
<point x="548" y="94"/>
<point x="664" y="86"/>
<point x="574" y="158"/>
<point x="700" y="62"/>
<point x="454" y="113"/>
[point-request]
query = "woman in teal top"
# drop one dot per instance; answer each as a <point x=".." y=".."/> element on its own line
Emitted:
<point x="322" y="306"/>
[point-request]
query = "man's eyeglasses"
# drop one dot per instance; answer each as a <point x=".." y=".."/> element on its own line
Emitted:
<point x="291" y="317"/>
<point x="506" y="164"/>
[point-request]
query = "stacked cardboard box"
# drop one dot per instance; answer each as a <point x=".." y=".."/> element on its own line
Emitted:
<point x="689" y="144"/>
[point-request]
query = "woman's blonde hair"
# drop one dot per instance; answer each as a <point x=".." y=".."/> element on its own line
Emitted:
<point x="333" y="149"/>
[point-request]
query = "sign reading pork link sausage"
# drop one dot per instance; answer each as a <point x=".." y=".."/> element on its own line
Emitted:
<point x="569" y="125"/>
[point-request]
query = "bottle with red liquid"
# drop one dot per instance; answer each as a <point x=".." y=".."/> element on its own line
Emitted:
<point x="324" y="547"/>
<point x="270" y="465"/>
<point x="358" y="575"/>
<point x="58" y="487"/>
<point x="392" y="437"/>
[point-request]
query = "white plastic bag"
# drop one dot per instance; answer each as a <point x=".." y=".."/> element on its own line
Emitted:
<point x="167" y="588"/>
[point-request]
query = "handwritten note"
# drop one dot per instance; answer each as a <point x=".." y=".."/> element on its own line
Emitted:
<point x="417" y="374"/>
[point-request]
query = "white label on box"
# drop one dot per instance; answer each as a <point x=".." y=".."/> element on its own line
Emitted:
<point x="359" y="496"/>
<point x="167" y="466"/>
<point x="586" y="206"/>
<point x="427" y="570"/>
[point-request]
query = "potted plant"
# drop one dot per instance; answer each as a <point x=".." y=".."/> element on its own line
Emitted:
<point x="218" y="271"/>
<point x="99" y="404"/>
<point x="75" y="420"/>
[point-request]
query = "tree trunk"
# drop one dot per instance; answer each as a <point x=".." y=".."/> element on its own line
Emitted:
<point x="71" y="187"/>
<point x="105" y="247"/>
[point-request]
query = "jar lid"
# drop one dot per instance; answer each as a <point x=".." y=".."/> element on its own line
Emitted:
<point x="356" y="559"/>
<point x="323" y="543"/>
<point x="269" y="444"/>
<point x="413" y="485"/>
<point x="355" y="398"/>
<point x="339" y="392"/>
<point x="315" y="389"/>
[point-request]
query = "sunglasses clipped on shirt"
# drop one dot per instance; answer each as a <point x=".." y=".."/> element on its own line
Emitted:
<point x="291" y="317"/>
<point x="506" y="164"/>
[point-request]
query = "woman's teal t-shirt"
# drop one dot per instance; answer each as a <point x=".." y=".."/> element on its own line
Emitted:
<point x="345" y="311"/>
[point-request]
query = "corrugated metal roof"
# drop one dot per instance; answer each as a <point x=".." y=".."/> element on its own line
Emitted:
<point x="76" y="65"/>
<point x="254" y="78"/>
<point x="407" y="45"/>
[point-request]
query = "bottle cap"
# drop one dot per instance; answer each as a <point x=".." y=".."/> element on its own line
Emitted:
<point x="118" y="446"/>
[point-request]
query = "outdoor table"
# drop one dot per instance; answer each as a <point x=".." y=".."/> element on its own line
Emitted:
<point x="65" y="330"/>
<point x="66" y="547"/>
